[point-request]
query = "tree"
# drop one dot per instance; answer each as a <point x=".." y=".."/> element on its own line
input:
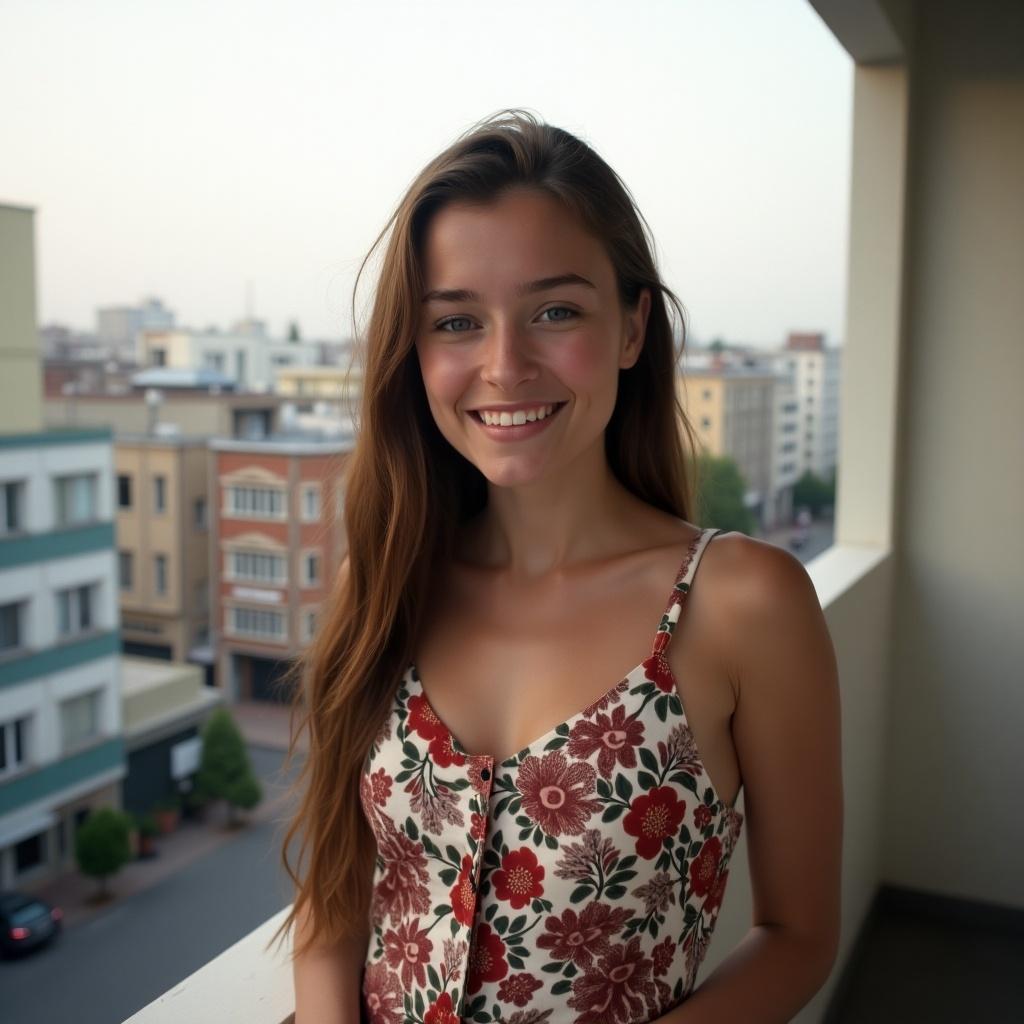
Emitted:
<point x="293" y="332"/>
<point x="103" y="845"/>
<point x="225" y="772"/>
<point x="720" y="495"/>
<point x="815" y="493"/>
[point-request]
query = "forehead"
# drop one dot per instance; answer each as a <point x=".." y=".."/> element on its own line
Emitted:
<point x="520" y="236"/>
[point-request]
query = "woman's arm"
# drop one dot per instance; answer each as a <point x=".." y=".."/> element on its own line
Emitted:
<point x="327" y="978"/>
<point x="786" y="728"/>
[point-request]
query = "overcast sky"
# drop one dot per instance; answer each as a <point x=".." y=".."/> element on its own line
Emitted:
<point x="184" y="148"/>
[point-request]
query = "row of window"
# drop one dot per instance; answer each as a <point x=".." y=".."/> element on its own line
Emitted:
<point x="265" y="623"/>
<point x="76" y="610"/>
<point x="261" y="567"/>
<point x="126" y="571"/>
<point x="270" y="502"/>
<point x="74" y="502"/>
<point x="80" y="722"/>
<point x="159" y="506"/>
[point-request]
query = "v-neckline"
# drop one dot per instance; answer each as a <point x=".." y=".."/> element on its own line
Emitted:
<point x="513" y="758"/>
<point x="680" y="586"/>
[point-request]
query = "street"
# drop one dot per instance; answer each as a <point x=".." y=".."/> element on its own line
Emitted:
<point x="105" y="969"/>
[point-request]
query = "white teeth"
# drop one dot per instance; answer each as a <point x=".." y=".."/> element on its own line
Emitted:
<point x="517" y="418"/>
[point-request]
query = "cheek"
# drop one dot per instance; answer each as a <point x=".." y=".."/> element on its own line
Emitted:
<point x="586" y="366"/>
<point x="444" y="377"/>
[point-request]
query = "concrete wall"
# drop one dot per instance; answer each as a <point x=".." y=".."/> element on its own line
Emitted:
<point x="20" y="375"/>
<point x="954" y="771"/>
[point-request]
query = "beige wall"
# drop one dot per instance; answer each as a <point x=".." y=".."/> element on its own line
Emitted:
<point x="176" y="617"/>
<point x="954" y="770"/>
<point x="20" y="374"/>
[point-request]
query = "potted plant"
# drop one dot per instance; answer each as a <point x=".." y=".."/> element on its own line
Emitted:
<point x="167" y="813"/>
<point x="148" y="830"/>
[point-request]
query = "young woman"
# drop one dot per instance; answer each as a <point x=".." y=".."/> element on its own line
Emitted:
<point x="508" y="813"/>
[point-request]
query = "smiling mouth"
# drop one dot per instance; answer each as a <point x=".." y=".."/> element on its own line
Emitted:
<point x="557" y="406"/>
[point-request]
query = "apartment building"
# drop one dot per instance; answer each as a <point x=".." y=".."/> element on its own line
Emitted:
<point x="277" y="539"/>
<point x="163" y="547"/>
<point x="732" y="409"/>
<point x="61" y="750"/>
<point x="248" y="357"/>
<point x="814" y="370"/>
<point x="167" y="407"/>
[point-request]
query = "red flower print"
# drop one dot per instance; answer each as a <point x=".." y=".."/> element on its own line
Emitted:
<point x="477" y="826"/>
<point x="486" y="959"/>
<point x="443" y="751"/>
<point x="463" y="896"/>
<point x="556" y="791"/>
<point x="581" y="938"/>
<point x="651" y="817"/>
<point x="715" y="893"/>
<point x="441" y="1012"/>
<point x="380" y="783"/>
<point x="402" y="887"/>
<point x="657" y="670"/>
<point x="382" y="995"/>
<point x="409" y="948"/>
<point x="702" y="816"/>
<point x="704" y="869"/>
<point x="663" y="953"/>
<point x="613" y="736"/>
<point x="422" y="719"/>
<point x="620" y="989"/>
<point x="518" y="989"/>
<point x="518" y="879"/>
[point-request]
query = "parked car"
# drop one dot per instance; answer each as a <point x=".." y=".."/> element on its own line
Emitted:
<point x="26" y="922"/>
<point x="801" y="528"/>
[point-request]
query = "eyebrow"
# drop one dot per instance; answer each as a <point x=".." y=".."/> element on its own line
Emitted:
<point x="529" y="288"/>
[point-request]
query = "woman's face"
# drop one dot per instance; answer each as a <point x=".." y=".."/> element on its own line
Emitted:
<point x="521" y="311"/>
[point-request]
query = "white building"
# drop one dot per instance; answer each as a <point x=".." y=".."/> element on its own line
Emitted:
<point x="814" y="370"/>
<point x="61" y="748"/>
<point x="250" y="359"/>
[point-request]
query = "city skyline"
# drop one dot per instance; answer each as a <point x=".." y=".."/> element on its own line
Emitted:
<point x="204" y="154"/>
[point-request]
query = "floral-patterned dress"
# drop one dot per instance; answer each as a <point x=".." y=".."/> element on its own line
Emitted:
<point x="576" y="882"/>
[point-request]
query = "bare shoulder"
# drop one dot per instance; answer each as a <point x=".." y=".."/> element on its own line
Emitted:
<point x="762" y="596"/>
<point x="786" y="729"/>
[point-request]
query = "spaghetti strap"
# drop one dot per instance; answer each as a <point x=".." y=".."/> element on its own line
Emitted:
<point x="681" y="587"/>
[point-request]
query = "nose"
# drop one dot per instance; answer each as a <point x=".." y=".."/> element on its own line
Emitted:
<point x="508" y="360"/>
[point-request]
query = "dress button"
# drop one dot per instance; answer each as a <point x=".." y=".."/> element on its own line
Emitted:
<point x="485" y="773"/>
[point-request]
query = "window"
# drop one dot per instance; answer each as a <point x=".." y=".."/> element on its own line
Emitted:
<point x="310" y="502"/>
<point x="310" y="569"/>
<point x="706" y="394"/>
<point x="308" y="625"/>
<point x="80" y="719"/>
<point x="124" y="490"/>
<point x="261" y="623"/>
<point x="13" y="745"/>
<point x="160" y="494"/>
<point x="158" y="357"/>
<point x="124" y="569"/>
<point x="30" y="853"/>
<point x="12" y="511"/>
<point x="75" y="499"/>
<point x="160" y="573"/>
<point x="199" y="513"/>
<point x="11" y="626"/>
<point x="256" y="502"/>
<point x="75" y="611"/>
<point x="705" y="422"/>
<point x="257" y="566"/>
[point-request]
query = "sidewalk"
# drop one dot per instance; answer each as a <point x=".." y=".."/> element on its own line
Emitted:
<point x="261" y="725"/>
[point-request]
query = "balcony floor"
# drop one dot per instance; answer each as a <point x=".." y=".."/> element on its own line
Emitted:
<point x="914" y="968"/>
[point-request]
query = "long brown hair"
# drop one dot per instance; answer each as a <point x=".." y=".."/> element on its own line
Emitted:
<point x="408" y="490"/>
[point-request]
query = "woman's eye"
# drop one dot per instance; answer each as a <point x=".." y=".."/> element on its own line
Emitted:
<point x="444" y="324"/>
<point x="559" y="309"/>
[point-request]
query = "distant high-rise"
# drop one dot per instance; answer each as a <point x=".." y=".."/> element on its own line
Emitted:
<point x="118" y="327"/>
